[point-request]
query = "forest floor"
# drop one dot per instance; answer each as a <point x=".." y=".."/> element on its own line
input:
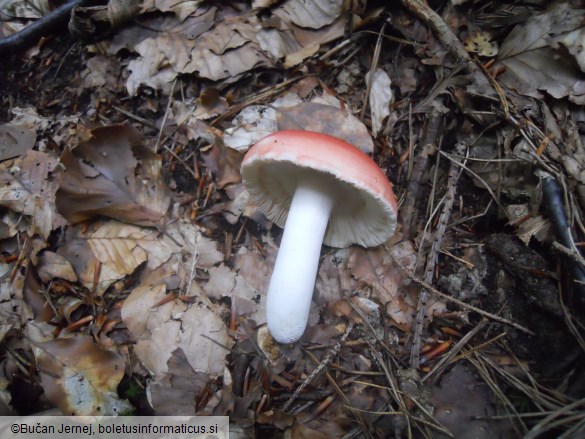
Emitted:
<point x="131" y="256"/>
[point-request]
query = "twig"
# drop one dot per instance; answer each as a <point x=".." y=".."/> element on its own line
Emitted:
<point x="364" y="427"/>
<point x="481" y="180"/>
<point x="416" y="169"/>
<point x="328" y="358"/>
<point x="164" y="121"/>
<point x="432" y="258"/>
<point x="461" y="303"/>
<point x="35" y="31"/>
<point x="373" y="69"/>
<point x="455" y="349"/>
<point x="444" y="33"/>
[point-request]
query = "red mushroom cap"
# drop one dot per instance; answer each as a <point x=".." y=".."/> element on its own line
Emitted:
<point x="365" y="209"/>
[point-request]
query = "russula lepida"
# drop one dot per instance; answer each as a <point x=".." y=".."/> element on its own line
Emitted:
<point x="321" y="190"/>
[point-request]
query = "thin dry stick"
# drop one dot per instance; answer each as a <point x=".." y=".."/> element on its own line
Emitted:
<point x="389" y="376"/>
<point x="483" y="371"/>
<point x="459" y="302"/>
<point x="416" y="168"/>
<point x="481" y="180"/>
<point x="432" y="258"/>
<point x="455" y="349"/>
<point x="443" y="31"/>
<point x="573" y="254"/>
<point x="164" y="121"/>
<point x="263" y="94"/>
<point x="364" y="427"/>
<point x="373" y="68"/>
<point x="328" y="358"/>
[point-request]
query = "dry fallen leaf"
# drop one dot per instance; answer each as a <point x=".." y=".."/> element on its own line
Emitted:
<point x="380" y="98"/>
<point x="102" y="72"/>
<point x="178" y="391"/>
<point x="179" y="7"/>
<point x="377" y="269"/>
<point x="480" y="43"/>
<point x="224" y="163"/>
<point x="28" y="186"/>
<point x="15" y="141"/>
<point x="532" y="63"/>
<point x="113" y="174"/>
<point x="51" y="266"/>
<point x="313" y="14"/>
<point x="162" y="329"/>
<point x="225" y="43"/>
<point x="107" y="251"/>
<point x="80" y="377"/>
<point x="326" y="119"/>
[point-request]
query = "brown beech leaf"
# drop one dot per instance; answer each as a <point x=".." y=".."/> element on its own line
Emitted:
<point x="377" y="269"/>
<point x="113" y="174"/>
<point x="105" y="252"/>
<point x="224" y="163"/>
<point x="80" y="377"/>
<point x="313" y="14"/>
<point x="15" y="140"/>
<point x="179" y="7"/>
<point x="161" y="328"/>
<point x="178" y="391"/>
<point x="51" y="266"/>
<point x="28" y="185"/>
<point x="326" y="119"/>
<point x="109" y="250"/>
<point x="533" y="60"/>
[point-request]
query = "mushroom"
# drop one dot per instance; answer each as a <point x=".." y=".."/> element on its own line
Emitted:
<point x="326" y="191"/>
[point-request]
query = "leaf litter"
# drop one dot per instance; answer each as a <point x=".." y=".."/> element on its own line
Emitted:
<point x="127" y="235"/>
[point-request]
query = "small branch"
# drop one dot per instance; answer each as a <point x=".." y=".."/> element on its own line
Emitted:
<point x="433" y="256"/>
<point x="328" y="358"/>
<point x="444" y="33"/>
<point x="40" y="28"/>
<point x="461" y="303"/>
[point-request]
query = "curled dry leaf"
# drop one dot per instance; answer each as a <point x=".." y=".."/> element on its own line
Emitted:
<point x="51" y="266"/>
<point x="224" y="51"/>
<point x="80" y="377"/>
<point x="113" y="174"/>
<point x="224" y="163"/>
<point x="104" y="252"/>
<point x="28" y="186"/>
<point x="220" y="45"/>
<point x="256" y="121"/>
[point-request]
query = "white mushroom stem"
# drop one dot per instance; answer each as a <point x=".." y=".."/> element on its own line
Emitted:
<point x="293" y="279"/>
